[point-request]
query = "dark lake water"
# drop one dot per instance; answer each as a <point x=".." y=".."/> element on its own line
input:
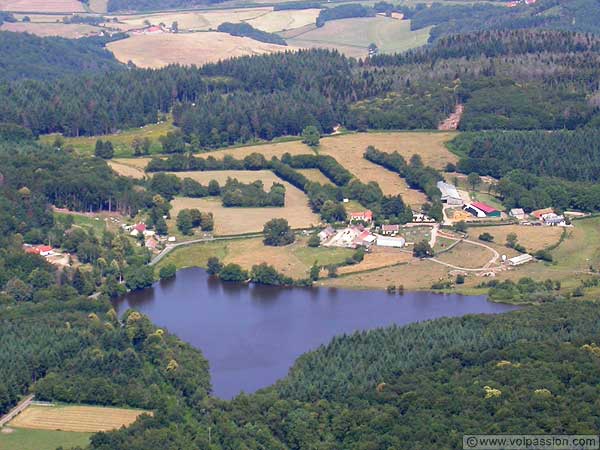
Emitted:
<point x="251" y="335"/>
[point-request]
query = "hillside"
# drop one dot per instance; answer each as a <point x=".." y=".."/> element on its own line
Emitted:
<point x="25" y="56"/>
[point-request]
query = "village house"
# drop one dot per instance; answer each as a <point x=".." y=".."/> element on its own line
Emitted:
<point x="479" y="209"/>
<point x="390" y="230"/>
<point x="362" y="216"/>
<point x="151" y="243"/>
<point x="450" y="194"/>
<point x="138" y="228"/>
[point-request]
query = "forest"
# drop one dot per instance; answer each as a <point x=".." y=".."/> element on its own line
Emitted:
<point x="549" y="83"/>
<point x="26" y="56"/>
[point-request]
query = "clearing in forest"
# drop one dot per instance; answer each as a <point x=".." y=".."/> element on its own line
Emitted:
<point x="247" y="220"/>
<point x="75" y="418"/>
<point x="353" y="36"/>
<point x="42" y="6"/>
<point x="160" y="50"/>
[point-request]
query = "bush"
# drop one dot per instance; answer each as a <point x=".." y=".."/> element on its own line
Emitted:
<point x="544" y="255"/>
<point x="167" y="271"/>
<point x="422" y="250"/>
<point x="314" y="240"/>
<point x="278" y="233"/>
<point x="460" y="279"/>
<point x="213" y="266"/>
<point x="487" y="237"/>
<point x="234" y="273"/>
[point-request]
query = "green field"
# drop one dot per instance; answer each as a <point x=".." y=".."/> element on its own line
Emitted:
<point x="121" y="141"/>
<point x="26" y="439"/>
<point x="353" y="36"/>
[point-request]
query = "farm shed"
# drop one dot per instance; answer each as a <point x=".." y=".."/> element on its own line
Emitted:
<point x="518" y="260"/>
<point x="450" y="195"/>
<point x="386" y="241"/>
<point x="479" y="209"/>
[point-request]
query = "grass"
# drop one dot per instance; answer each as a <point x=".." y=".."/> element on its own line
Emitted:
<point x="487" y="199"/>
<point x="69" y="31"/>
<point x="353" y="36"/>
<point x="42" y="6"/>
<point x="532" y="238"/>
<point x="25" y="439"/>
<point x="121" y="141"/>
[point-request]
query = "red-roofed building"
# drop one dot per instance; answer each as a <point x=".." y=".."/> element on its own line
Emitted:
<point x="364" y="216"/>
<point x="479" y="209"/>
<point x="390" y="229"/>
<point x="42" y="250"/>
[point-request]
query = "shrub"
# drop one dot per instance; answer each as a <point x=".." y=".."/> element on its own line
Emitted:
<point x="167" y="271"/>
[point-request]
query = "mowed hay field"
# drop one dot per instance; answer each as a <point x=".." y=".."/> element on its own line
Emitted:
<point x="42" y="6"/>
<point x="70" y="31"/>
<point x="75" y="418"/>
<point x="247" y="220"/>
<point x="127" y="170"/>
<point x="159" y="50"/>
<point x="353" y="36"/>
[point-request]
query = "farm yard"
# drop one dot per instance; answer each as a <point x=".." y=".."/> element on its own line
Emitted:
<point x="353" y="36"/>
<point x="75" y="418"/>
<point x="160" y="50"/>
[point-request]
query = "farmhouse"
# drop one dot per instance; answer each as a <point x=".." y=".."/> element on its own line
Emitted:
<point x="518" y="260"/>
<point x="479" y="209"/>
<point x="139" y="228"/>
<point x="42" y="250"/>
<point x="390" y="230"/>
<point x="151" y="243"/>
<point x="326" y="233"/>
<point x="394" y="242"/>
<point x="450" y="195"/>
<point x="362" y="216"/>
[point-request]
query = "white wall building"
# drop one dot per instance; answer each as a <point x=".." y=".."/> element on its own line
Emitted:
<point x="518" y="260"/>
<point x="450" y="194"/>
<point x="387" y="241"/>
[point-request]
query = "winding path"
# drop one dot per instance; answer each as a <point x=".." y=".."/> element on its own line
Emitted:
<point x="486" y="267"/>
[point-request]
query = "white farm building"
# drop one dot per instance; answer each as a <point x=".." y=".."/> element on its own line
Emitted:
<point x="450" y="194"/>
<point x="387" y="241"/>
<point x="518" y="260"/>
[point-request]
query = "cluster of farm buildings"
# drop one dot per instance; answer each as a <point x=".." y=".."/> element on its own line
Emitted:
<point x="451" y="197"/>
<point x="151" y="239"/>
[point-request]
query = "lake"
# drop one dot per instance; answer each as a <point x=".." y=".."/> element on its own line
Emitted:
<point x="251" y="335"/>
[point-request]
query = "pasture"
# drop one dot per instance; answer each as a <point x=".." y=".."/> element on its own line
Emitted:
<point x="42" y="6"/>
<point x="25" y="439"/>
<point x="353" y="36"/>
<point x="247" y="220"/>
<point x="532" y="238"/>
<point x="87" y="419"/>
<point x="293" y="260"/>
<point x="69" y="31"/>
<point x="160" y="50"/>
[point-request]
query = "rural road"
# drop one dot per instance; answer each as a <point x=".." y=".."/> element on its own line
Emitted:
<point x="21" y="406"/>
<point x="170" y="247"/>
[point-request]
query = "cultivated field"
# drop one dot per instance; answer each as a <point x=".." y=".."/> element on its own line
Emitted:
<point x="42" y="6"/>
<point x="194" y="20"/>
<point x="69" y="31"/>
<point x="247" y="220"/>
<point x="27" y="439"/>
<point x="262" y="18"/>
<point x="75" y="418"/>
<point x="353" y="36"/>
<point x="159" y="50"/>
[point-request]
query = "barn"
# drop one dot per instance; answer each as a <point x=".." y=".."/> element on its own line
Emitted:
<point x="479" y="209"/>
